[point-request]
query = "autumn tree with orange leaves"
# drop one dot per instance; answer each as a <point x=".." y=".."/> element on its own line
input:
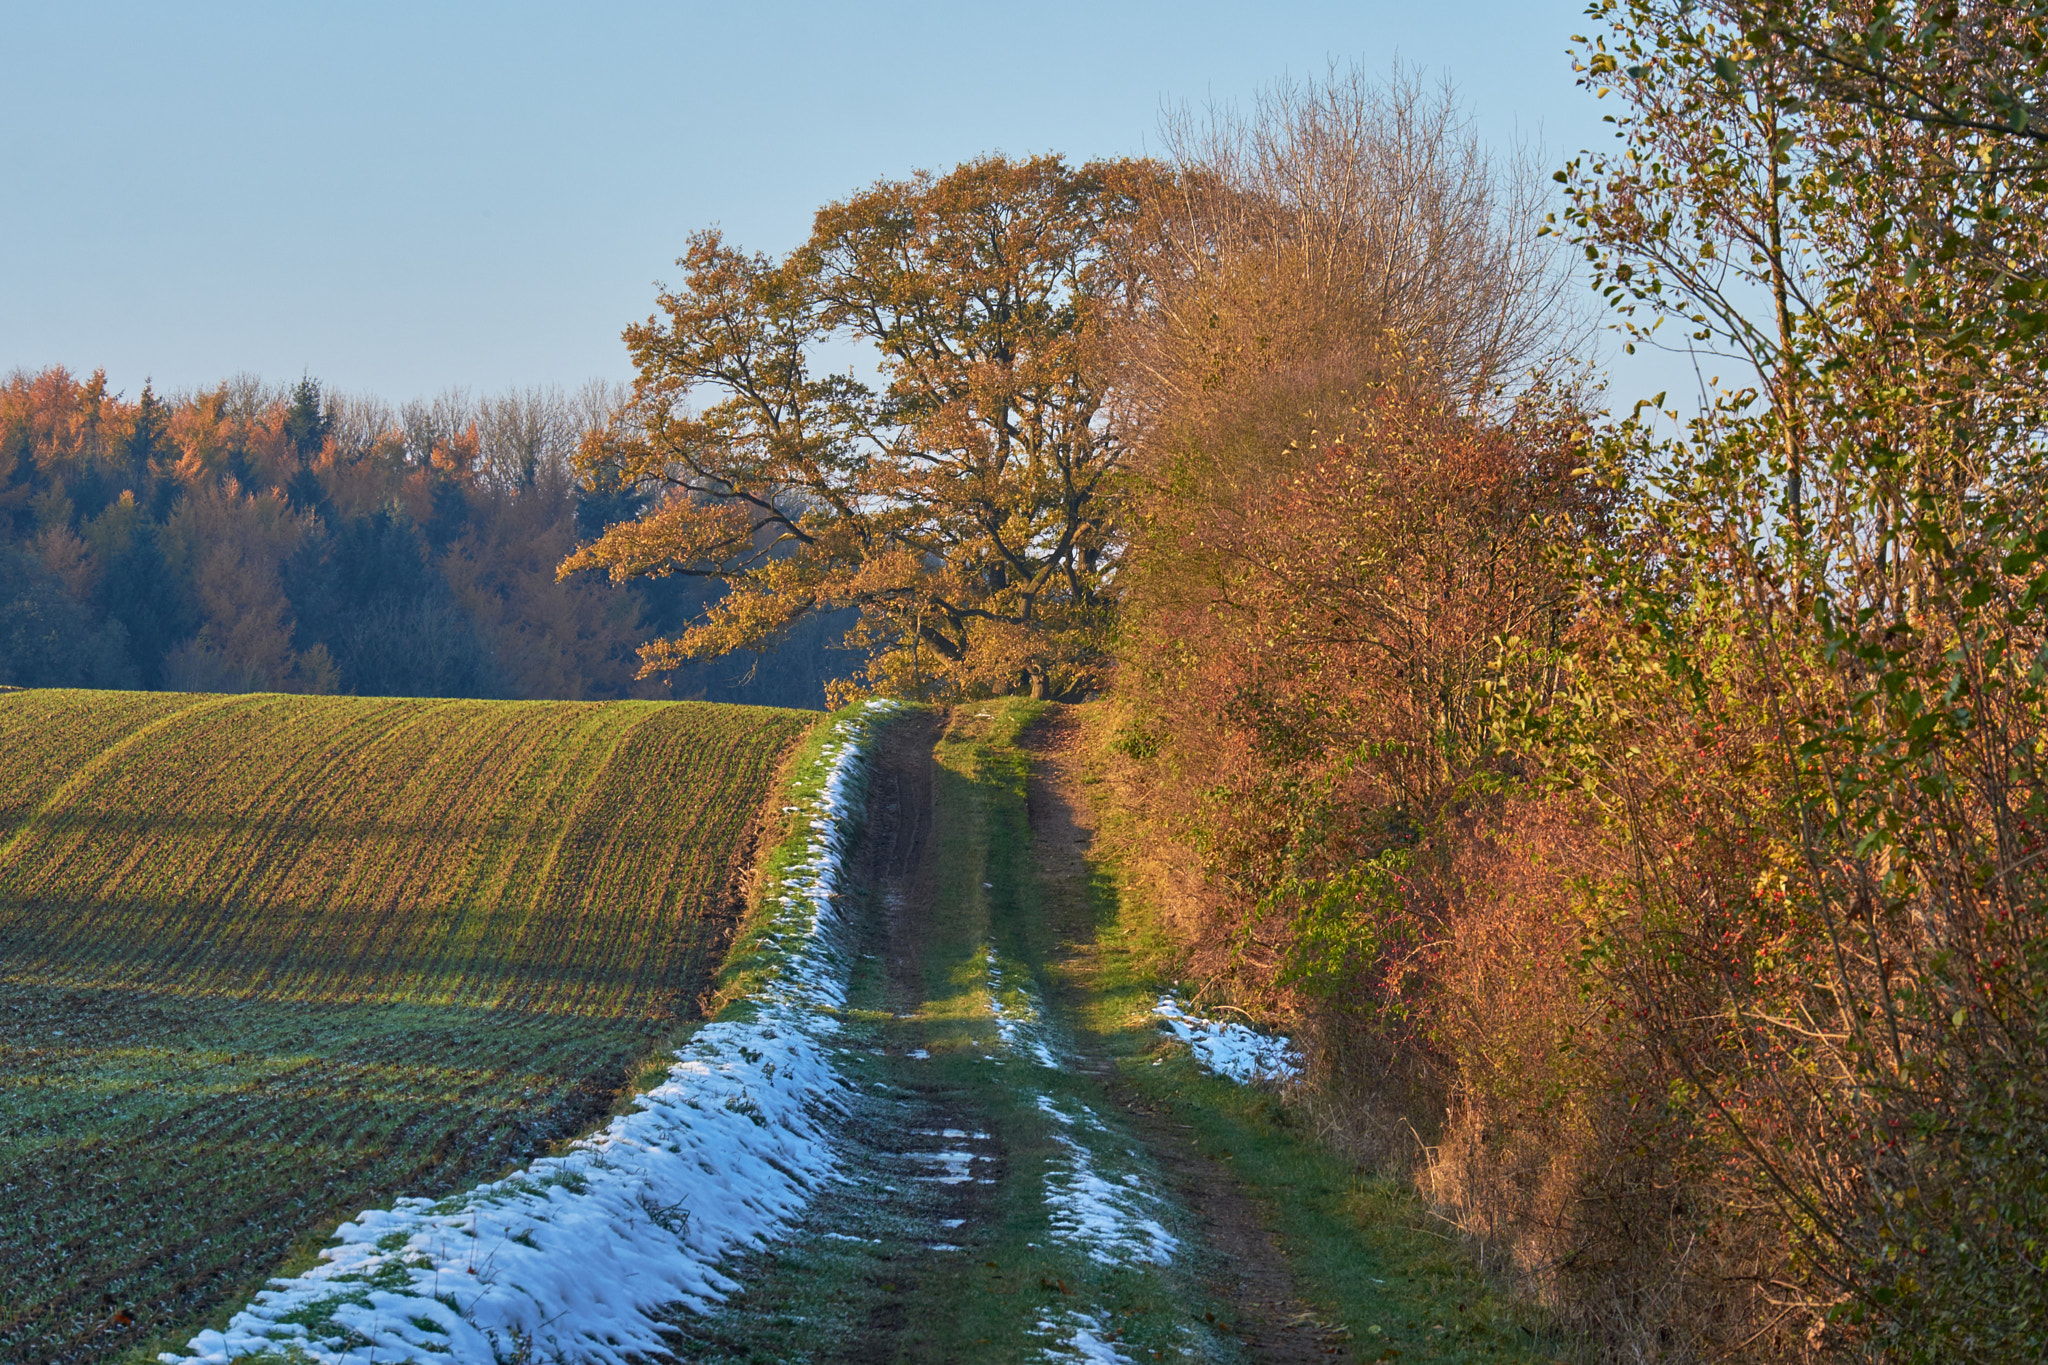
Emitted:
<point x="964" y="503"/>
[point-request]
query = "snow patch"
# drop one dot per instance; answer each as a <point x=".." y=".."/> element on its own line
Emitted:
<point x="1113" y="1221"/>
<point x="955" y="1167"/>
<point x="1233" y="1050"/>
<point x="571" y="1259"/>
<point x="1080" y="1337"/>
<point x="1021" y="1022"/>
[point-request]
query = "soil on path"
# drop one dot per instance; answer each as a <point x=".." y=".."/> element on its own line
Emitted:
<point x="1272" y="1321"/>
<point x="894" y="861"/>
<point x="895" y="867"/>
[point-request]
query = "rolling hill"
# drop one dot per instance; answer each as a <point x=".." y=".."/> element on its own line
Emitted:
<point x="265" y="959"/>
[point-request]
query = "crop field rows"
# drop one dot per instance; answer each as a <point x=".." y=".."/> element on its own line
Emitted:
<point x="268" y="959"/>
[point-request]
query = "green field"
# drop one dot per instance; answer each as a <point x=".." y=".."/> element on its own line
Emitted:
<point x="267" y="959"/>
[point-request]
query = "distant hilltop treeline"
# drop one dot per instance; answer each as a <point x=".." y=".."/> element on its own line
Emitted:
<point x="265" y="537"/>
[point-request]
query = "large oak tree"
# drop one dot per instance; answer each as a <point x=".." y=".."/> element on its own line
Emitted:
<point x="963" y="502"/>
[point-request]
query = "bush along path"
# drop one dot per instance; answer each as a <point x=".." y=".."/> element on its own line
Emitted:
<point x="1035" y="1164"/>
<point x="946" y="1114"/>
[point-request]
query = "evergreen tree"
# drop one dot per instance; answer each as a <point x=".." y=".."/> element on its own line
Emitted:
<point x="307" y="422"/>
<point x="48" y="638"/>
<point x="137" y="588"/>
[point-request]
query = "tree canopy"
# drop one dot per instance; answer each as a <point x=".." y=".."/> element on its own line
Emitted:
<point x="964" y="501"/>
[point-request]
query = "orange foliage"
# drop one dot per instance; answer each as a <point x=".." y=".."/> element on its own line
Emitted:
<point x="1319" y="628"/>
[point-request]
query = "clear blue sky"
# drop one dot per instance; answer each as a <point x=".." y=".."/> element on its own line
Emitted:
<point x="400" y="198"/>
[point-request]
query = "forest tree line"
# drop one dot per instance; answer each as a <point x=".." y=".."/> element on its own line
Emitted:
<point x="254" y="537"/>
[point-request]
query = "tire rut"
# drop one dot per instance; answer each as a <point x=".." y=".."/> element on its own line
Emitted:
<point x="894" y="859"/>
<point x="1252" y="1274"/>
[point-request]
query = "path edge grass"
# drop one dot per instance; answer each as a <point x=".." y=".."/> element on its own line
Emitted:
<point x="1368" y="1256"/>
<point x="751" y="962"/>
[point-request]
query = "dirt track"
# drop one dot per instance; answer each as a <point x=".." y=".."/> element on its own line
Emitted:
<point x="937" y="1248"/>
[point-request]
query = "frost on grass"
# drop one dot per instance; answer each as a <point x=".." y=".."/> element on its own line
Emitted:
<point x="1233" y="1050"/>
<point x="573" y="1258"/>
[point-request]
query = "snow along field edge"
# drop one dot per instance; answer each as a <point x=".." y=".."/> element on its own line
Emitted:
<point x="574" y="1258"/>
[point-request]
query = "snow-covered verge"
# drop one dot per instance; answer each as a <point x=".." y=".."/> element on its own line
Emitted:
<point x="574" y="1258"/>
<point x="1233" y="1050"/>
